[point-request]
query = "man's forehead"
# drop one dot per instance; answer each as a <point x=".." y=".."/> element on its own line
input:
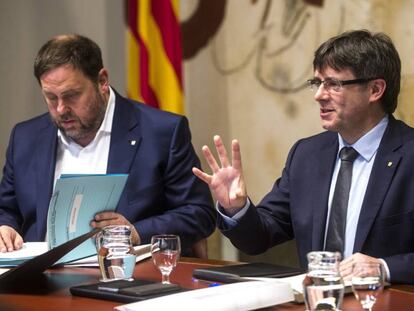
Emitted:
<point x="62" y="71"/>
<point x="330" y="72"/>
<point x="64" y="76"/>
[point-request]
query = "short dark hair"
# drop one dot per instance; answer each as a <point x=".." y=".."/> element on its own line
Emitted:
<point x="76" y="50"/>
<point x="366" y="55"/>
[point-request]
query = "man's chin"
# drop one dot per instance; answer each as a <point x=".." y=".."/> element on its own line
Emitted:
<point x="329" y="127"/>
<point x="74" y="135"/>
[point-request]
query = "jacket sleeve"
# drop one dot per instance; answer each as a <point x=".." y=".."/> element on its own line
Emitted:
<point x="9" y="211"/>
<point x="187" y="209"/>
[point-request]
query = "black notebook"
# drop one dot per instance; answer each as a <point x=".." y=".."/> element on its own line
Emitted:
<point x="32" y="269"/>
<point x="126" y="291"/>
<point x="235" y="273"/>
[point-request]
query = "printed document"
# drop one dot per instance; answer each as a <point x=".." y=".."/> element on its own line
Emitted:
<point x="230" y="297"/>
<point x="74" y="203"/>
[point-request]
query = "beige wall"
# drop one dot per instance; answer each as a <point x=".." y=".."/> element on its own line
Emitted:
<point x="26" y="24"/>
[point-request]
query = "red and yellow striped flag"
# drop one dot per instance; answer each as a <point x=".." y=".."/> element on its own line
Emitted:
<point x="154" y="54"/>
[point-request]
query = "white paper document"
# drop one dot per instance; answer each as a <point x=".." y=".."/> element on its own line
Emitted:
<point x="296" y="283"/>
<point x="74" y="202"/>
<point x="33" y="249"/>
<point x="28" y="251"/>
<point x="237" y="296"/>
<point x="141" y="251"/>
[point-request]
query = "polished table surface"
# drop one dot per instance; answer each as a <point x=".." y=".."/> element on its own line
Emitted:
<point x="52" y="292"/>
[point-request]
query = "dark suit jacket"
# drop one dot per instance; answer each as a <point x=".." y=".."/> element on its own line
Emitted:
<point x="297" y="205"/>
<point x="161" y="195"/>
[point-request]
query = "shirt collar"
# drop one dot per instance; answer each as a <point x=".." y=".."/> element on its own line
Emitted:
<point x="106" y="125"/>
<point x="368" y="144"/>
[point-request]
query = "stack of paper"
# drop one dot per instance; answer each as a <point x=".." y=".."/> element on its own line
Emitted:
<point x="33" y="249"/>
<point x="28" y="251"/>
<point x="295" y="282"/>
<point x="141" y="251"/>
<point x="237" y="296"/>
<point x="74" y="202"/>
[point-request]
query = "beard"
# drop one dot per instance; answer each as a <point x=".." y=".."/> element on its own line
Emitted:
<point x="87" y="126"/>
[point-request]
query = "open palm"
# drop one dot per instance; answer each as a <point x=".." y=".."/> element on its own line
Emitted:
<point x="226" y="182"/>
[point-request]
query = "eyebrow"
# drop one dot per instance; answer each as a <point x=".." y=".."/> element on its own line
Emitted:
<point x="70" y="92"/>
<point x="64" y="93"/>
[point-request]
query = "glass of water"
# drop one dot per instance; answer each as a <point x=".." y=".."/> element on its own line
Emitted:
<point x="165" y="252"/>
<point x="323" y="285"/>
<point x="367" y="283"/>
<point x="116" y="255"/>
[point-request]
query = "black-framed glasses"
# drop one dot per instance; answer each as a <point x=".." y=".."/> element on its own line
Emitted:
<point x="332" y="84"/>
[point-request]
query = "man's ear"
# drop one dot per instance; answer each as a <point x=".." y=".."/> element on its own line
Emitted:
<point x="103" y="80"/>
<point x="378" y="87"/>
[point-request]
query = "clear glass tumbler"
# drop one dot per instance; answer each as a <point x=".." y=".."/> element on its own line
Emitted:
<point x="116" y="255"/>
<point x="323" y="286"/>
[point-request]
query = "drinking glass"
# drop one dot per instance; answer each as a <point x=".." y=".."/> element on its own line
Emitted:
<point x="323" y="286"/>
<point x="116" y="255"/>
<point x="367" y="283"/>
<point x="165" y="252"/>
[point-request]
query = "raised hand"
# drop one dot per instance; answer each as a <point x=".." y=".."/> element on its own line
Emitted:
<point x="227" y="182"/>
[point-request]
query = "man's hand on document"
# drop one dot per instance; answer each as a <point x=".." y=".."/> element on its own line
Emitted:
<point x="10" y="240"/>
<point x="111" y="218"/>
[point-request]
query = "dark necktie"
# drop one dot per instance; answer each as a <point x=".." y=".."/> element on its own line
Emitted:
<point x="335" y="238"/>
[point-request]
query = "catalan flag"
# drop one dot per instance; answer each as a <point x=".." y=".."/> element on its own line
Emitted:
<point x="154" y="54"/>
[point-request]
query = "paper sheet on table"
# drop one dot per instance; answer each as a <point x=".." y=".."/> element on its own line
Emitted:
<point x="28" y="251"/>
<point x="33" y="249"/>
<point x="237" y="296"/>
<point x="295" y="283"/>
<point x="142" y="252"/>
<point x="2" y="270"/>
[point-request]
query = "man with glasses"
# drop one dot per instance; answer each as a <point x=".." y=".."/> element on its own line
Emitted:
<point x="348" y="189"/>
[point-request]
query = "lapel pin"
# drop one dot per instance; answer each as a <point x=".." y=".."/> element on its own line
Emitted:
<point x="389" y="164"/>
<point x="132" y="142"/>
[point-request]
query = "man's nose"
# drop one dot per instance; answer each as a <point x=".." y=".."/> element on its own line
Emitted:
<point x="320" y="92"/>
<point x="61" y="107"/>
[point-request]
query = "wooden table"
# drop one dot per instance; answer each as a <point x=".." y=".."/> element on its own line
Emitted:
<point x="52" y="292"/>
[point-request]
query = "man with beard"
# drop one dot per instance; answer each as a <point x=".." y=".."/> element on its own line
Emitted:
<point x="91" y="129"/>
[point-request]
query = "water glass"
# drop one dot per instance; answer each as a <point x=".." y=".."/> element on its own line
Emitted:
<point x="367" y="283"/>
<point x="323" y="286"/>
<point x="116" y="255"/>
<point x="165" y="252"/>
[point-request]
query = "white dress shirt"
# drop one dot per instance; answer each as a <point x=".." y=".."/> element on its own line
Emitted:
<point x="72" y="158"/>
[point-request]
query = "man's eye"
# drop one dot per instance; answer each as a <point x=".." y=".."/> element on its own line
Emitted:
<point x="330" y="84"/>
<point x="316" y="83"/>
<point x="51" y="98"/>
<point x="71" y="96"/>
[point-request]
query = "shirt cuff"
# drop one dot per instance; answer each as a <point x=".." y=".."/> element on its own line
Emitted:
<point x="231" y="221"/>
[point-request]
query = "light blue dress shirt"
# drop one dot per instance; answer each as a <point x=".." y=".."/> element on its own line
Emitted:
<point x="366" y="147"/>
